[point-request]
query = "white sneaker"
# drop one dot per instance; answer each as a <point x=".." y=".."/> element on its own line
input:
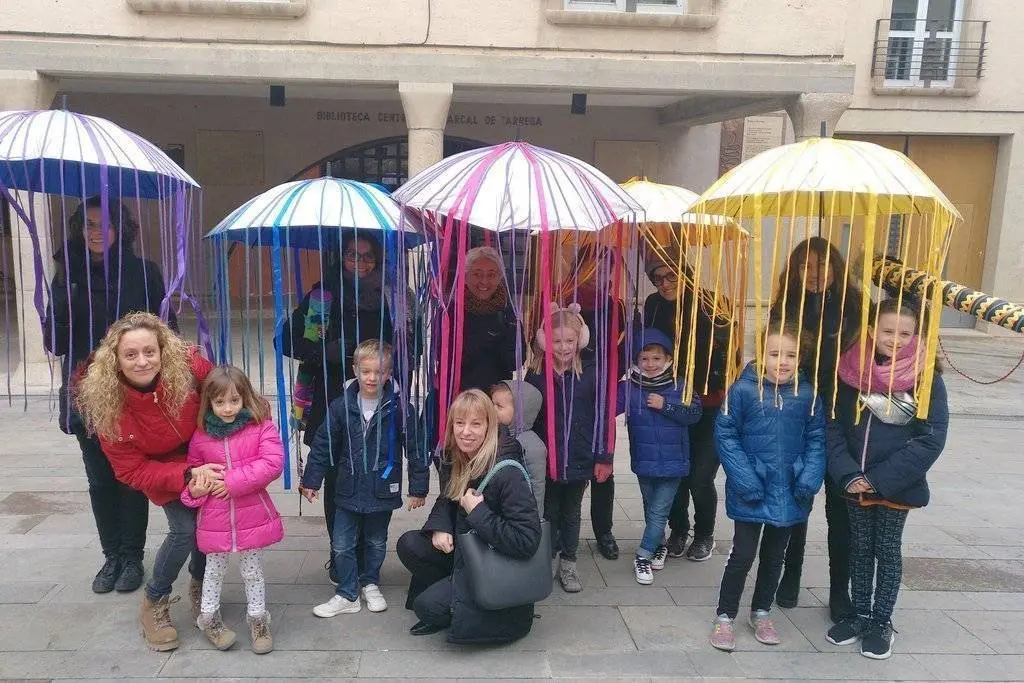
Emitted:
<point x="644" y="575"/>
<point x="337" y="605"/>
<point x="374" y="598"/>
<point x="658" y="559"/>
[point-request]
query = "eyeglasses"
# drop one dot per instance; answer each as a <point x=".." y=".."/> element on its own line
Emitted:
<point x="364" y="257"/>
<point x="671" y="279"/>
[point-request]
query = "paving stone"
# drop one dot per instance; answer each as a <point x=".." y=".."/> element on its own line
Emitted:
<point x="23" y="593"/>
<point x="963" y="575"/>
<point x="578" y="629"/>
<point x="998" y="602"/>
<point x="242" y="662"/>
<point x="45" y="503"/>
<point x="945" y="667"/>
<point x="627" y="665"/>
<point x="674" y="628"/>
<point x="48" y="627"/>
<point x="18" y="524"/>
<point x="612" y="596"/>
<point x="924" y="632"/>
<point x="88" y="665"/>
<point x="300" y="629"/>
<point x="1003" y="633"/>
<point x="453" y="663"/>
<point x="1002" y="552"/>
<point x="843" y="666"/>
<point x="44" y="540"/>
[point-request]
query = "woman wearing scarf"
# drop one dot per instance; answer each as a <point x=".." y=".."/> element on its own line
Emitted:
<point x="489" y="335"/>
<point x="345" y="308"/>
<point x="98" y="279"/>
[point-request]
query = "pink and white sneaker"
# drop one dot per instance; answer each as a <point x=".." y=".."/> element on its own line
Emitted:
<point x="764" y="628"/>
<point x="722" y="635"/>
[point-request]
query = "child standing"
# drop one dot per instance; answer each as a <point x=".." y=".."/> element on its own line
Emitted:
<point x="658" y="423"/>
<point x="364" y="433"/>
<point x="881" y="462"/>
<point x="772" y="446"/>
<point x="576" y="460"/>
<point x="236" y="514"/>
<point x="535" y="453"/>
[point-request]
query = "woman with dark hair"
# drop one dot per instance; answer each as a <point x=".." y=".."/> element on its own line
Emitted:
<point x="345" y="308"/>
<point x="99" y="278"/>
<point x="814" y="292"/>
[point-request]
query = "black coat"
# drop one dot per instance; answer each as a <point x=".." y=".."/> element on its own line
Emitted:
<point x="660" y="313"/>
<point x="347" y="327"/>
<point x="84" y="302"/>
<point x="488" y="349"/>
<point x="508" y="521"/>
<point x="897" y="457"/>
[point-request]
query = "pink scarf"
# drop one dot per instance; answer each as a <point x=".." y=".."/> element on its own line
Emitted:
<point x="875" y="378"/>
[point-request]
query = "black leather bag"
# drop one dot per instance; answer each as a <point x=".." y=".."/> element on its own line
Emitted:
<point x="498" y="581"/>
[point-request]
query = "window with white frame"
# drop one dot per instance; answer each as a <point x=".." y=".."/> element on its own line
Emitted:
<point x="637" y="6"/>
<point x="923" y="42"/>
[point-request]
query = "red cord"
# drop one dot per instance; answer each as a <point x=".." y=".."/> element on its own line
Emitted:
<point x="949" y="361"/>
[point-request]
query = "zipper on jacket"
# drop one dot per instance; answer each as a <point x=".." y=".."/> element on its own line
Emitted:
<point x="231" y="501"/>
<point x="156" y="402"/>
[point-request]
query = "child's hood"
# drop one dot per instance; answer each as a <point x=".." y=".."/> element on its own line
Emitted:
<point x="529" y="397"/>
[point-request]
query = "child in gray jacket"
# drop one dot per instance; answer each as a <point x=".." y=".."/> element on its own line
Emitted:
<point x="511" y="397"/>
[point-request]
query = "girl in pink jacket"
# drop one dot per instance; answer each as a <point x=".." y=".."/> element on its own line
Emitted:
<point x="236" y="515"/>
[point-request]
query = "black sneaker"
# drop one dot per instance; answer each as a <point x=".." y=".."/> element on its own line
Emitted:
<point x="788" y="594"/>
<point x="701" y="549"/>
<point x="130" y="577"/>
<point x="849" y="631"/>
<point x="607" y="546"/>
<point x="877" y="642"/>
<point x="677" y="543"/>
<point x="107" y="576"/>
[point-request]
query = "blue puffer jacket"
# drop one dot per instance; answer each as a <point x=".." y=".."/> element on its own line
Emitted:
<point x="772" y="450"/>
<point x="369" y="458"/>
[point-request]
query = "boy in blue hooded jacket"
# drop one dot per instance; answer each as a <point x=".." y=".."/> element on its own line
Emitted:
<point x="771" y="440"/>
<point x="658" y="423"/>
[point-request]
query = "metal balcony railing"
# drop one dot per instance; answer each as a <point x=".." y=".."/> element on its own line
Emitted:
<point x="928" y="53"/>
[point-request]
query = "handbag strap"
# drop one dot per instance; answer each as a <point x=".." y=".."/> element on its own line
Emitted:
<point x="498" y="466"/>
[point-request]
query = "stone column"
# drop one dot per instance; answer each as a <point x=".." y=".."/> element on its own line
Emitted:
<point x="28" y="90"/>
<point x="426" y="112"/>
<point x="810" y="109"/>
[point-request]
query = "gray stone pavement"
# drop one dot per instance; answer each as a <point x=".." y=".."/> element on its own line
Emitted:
<point x="960" y="614"/>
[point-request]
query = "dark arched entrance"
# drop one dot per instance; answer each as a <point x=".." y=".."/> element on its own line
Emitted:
<point x="384" y="161"/>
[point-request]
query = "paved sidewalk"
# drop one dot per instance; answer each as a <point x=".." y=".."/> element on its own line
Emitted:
<point x="960" y="615"/>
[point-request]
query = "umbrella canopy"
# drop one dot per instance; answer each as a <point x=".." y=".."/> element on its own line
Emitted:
<point x="61" y="152"/>
<point x="666" y="208"/>
<point x="303" y="209"/>
<point x="517" y="186"/>
<point x="825" y="175"/>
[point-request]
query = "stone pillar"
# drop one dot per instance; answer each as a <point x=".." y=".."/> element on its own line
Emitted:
<point x="426" y="112"/>
<point x="28" y="90"/>
<point x="810" y="109"/>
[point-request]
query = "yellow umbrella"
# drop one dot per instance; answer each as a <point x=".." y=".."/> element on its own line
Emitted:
<point x="666" y="208"/>
<point x="877" y="196"/>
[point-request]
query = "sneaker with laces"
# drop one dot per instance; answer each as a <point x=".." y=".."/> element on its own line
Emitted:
<point x="259" y="633"/>
<point x="701" y="549"/>
<point x="569" y="577"/>
<point x="106" y="577"/>
<point x="723" y="637"/>
<point x="212" y="626"/>
<point x="642" y="571"/>
<point x="337" y="605"/>
<point x="677" y="543"/>
<point x="849" y="630"/>
<point x="764" y="628"/>
<point x="131" y="575"/>
<point x="374" y="598"/>
<point x="877" y="642"/>
<point x="658" y="559"/>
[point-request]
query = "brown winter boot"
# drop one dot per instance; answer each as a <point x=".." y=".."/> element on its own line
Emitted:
<point x="259" y="630"/>
<point x="157" y="629"/>
<point x="219" y="635"/>
<point x="195" y="596"/>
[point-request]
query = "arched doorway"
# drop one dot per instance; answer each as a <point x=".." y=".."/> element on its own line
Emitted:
<point x="384" y="161"/>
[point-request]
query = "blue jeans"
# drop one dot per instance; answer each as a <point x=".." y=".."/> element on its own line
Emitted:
<point x="658" y="494"/>
<point x="360" y="543"/>
<point x="178" y="545"/>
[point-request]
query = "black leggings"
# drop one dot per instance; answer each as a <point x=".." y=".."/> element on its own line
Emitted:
<point x="876" y="558"/>
<point x="771" y="557"/>
<point x="602" y="504"/>
<point x="838" y="520"/>
<point x="699" y="485"/>
<point x="563" y="501"/>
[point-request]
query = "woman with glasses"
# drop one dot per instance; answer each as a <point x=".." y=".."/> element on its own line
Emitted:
<point x="345" y="308"/>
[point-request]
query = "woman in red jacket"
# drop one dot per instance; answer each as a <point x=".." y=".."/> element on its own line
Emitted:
<point x="140" y="396"/>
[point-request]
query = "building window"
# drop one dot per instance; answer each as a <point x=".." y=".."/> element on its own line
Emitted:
<point x="638" y="6"/>
<point x="923" y="43"/>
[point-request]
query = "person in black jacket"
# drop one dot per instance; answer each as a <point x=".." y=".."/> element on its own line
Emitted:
<point x="811" y="293"/>
<point x="489" y="333"/>
<point x="351" y="293"/>
<point x="99" y="278"/>
<point x="879" y="455"/>
<point x="504" y="515"/>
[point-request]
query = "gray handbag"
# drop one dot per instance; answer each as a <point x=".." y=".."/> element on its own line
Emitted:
<point x="498" y="581"/>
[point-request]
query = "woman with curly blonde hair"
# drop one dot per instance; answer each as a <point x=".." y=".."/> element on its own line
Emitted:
<point x="140" y="395"/>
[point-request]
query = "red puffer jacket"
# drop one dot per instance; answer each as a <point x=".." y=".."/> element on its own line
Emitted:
<point x="149" y="452"/>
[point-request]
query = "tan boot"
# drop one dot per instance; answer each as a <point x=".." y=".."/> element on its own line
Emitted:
<point x="259" y="630"/>
<point x="195" y="596"/>
<point x="219" y="635"/>
<point x="157" y="629"/>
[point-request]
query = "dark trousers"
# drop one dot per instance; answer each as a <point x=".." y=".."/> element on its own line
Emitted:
<point x="563" y="502"/>
<point x="427" y="564"/>
<point x="359" y="546"/>
<point x="838" y="520"/>
<point x="876" y="558"/>
<point x="699" y="485"/>
<point x="179" y="545"/>
<point x="602" y="502"/>
<point x="330" y="507"/>
<point x="121" y="513"/>
<point x="771" y="557"/>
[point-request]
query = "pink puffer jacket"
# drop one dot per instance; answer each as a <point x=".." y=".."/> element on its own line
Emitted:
<point x="253" y="457"/>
